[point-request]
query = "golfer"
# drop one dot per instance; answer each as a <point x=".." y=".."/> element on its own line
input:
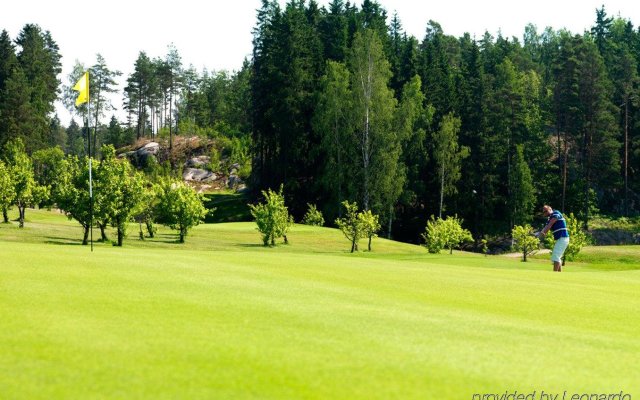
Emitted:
<point x="558" y="226"/>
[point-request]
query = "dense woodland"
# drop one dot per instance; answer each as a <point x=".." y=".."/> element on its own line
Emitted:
<point x="339" y="104"/>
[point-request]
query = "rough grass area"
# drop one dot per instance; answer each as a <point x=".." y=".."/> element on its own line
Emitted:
<point x="223" y="317"/>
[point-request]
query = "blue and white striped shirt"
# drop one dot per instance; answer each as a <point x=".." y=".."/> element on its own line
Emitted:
<point x="559" y="228"/>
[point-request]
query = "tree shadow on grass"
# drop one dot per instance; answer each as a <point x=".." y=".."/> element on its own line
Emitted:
<point x="252" y="245"/>
<point x="63" y="241"/>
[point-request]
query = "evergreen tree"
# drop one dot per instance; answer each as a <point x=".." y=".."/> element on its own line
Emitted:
<point x="522" y="199"/>
<point x="39" y="59"/>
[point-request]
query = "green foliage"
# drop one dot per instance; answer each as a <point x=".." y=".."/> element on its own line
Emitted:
<point x="214" y="160"/>
<point x="370" y="225"/>
<point x="121" y="191"/>
<point x="179" y="207"/>
<point x="72" y="191"/>
<point x="350" y="224"/>
<point x="578" y="238"/>
<point x="448" y="155"/>
<point x="272" y="217"/>
<point x="26" y="191"/>
<point x="524" y="240"/>
<point x="445" y="233"/>
<point x="358" y="225"/>
<point x="522" y="197"/>
<point x="313" y="216"/>
<point x="7" y="189"/>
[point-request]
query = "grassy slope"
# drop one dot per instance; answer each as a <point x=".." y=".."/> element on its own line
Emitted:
<point x="222" y="317"/>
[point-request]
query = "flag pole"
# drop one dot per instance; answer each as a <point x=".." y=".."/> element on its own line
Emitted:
<point x="90" y="172"/>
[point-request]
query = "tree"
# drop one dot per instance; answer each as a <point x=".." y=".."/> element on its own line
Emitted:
<point x="179" y="207"/>
<point x="138" y="92"/>
<point x="445" y="233"/>
<point x="524" y="240"/>
<point x="27" y="191"/>
<point x="39" y="60"/>
<point x="313" y="216"/>
<point x="72" y="191"/>
<point x="373" y="110"/>
<point x="7" y="190"/>
<point x="522" y="197"/>
<point x="350" y="224"/>
<point x="272" y="217"/>
<point x="102" y="82"/>
<point x="332" y="123"/>
<point x="47" y="164"/>
<point x="123" y="190"/>
<point x="448" y="156"/>
<point x="370" y="225"/>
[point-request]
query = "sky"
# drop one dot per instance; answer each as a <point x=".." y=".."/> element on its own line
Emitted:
<point x="216" y="34"/>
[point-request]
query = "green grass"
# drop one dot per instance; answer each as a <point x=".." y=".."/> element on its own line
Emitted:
<point x="223" y="317"/>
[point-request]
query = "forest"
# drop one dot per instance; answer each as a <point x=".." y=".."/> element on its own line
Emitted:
<point x="339" y="103"/>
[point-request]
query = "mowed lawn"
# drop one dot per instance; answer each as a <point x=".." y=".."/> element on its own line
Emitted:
<point x="221" y="317"/>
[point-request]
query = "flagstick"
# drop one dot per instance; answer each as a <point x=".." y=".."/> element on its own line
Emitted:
<point x="90" y="173"/>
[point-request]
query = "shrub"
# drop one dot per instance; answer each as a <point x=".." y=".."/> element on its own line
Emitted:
<point x="524" y="240"/>
<point x="444" y="233"/>
<point x="179" y="207"/>
<point x="272" y="217"/>
<point x="313" y="216"/>
<point x="370" y="225"/>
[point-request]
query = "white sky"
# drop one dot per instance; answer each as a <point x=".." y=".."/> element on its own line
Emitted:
<point x="216" y="34"/>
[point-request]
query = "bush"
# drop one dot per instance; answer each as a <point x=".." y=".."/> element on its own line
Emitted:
<point x="350" y="225"/>
<point x="524" y="240"/>
<point x="272" y="217"/>
<point x="445" y="233"/>
<point x="370" y="225"/>
<point x="179" y="207"/>
<point x="313" y="216"/>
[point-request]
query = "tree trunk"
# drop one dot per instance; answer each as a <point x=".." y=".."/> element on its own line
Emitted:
<point x="183" y="233"/>
<point x="441" y="189"/>
<point x="353" y="244"/>
<point x="626" y="158"/>
<point x="370" y="242"/>
<point x="21" y="210"/>
<point x="390" y="222"/>
<point x="5" y="215"/>
<point x="120" y="235"/>
<point x="103" y="235"/>
<point x="150" y="228"/>
<point x="85" y="239"/>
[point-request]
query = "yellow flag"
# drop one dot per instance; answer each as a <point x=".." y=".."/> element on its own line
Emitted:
<point x="82" y="86"/>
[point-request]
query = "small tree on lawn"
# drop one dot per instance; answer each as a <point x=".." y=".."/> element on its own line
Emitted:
<point x="313" y="216"/>
<point x="179" y="207"/>
<point x="455" y="234"/>
<point x="272" y="217"/>
<point x="370" y="225"/>
<point x="434" y="235"/>
<point x="350" y="224"/>
<point x="27" y="191"/>
<point x="7" y="191"/>
<point x="578" y="238"/>
<point x="123" y="190"/>
<point x="72" y="191"/>
<point x="444" y="233"/>
<point x="524" y="240"/>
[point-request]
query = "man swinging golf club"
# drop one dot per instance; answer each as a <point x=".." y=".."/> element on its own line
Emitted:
<point x="558" y="226"/>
